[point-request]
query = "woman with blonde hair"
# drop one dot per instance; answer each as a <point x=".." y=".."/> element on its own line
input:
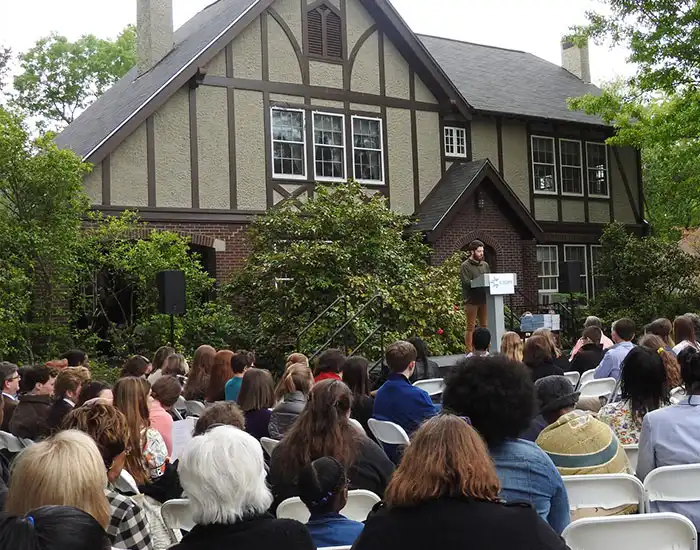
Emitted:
<point x="512" y="346"/>
<point x="175" y="365"/>
<point x="198" y="379"/>
<point x="296" y="358"/>
<point x="445" y="491"/>
<point x="292" y="391"/>
<point x="673" y="369"/>
<point x="64" y="470"/>
<point x="162" y="353"/>
<point x="147" y="454"/>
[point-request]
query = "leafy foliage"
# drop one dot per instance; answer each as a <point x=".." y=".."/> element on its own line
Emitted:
<point x="61" y="78"/>
<point x="5" y="56"/>
<point x="645" y="278"/>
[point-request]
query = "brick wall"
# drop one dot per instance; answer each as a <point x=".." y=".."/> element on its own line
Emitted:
<point x="497" y="227"/>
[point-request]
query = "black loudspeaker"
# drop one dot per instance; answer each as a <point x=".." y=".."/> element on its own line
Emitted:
<point x="570" y="281"/>
<point x="171" y="292"/>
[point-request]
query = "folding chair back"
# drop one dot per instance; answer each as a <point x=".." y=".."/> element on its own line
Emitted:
<point x="604" y="491"/>
<point x="388" y="432"/>
<point x="177" y="515"/>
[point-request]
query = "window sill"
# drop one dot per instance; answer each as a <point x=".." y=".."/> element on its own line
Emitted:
<point x="457" y="157"/>
<point x="577" y="195"/>
<point x="288" y="177"/>
<point x="545" y="193"/>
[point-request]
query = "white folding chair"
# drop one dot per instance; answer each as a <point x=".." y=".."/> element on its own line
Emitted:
<point x="358" y="507"/>
<point x="632" y="452"/>
<point x="126" y="483"/>
<point x="604" y="491"/>
<point x="677" y="395"/>
<point x="13" y="443"/>
<point x="673" y="484"/>
<point x="664" y="531"/>
<point x="574" y="377"/>
<point x="177" y="515"/>
<point x="356" y="424"/>
<point x="268" y="445"/>
<point x="388" y="432"/>
<point x="603" y="387"/>
<point x="195" y="408"/>
<point x="433" y="386"/>
<point x="586" y="377"/>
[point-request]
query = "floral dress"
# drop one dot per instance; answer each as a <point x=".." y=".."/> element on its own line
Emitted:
<point x="619" y="417"/>
<point x="155" y="453"/>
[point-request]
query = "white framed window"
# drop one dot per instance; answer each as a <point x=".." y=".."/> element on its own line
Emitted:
<point x="329" y="146"/>
<point x="548" y="269"/>
<point x="288" y="143"/>
<point x="578" y="253"/>
<point x="597" y="169"/>
<point x="544" y="167"/>
<point x="570" y="159"/>
<point x="455" y="142"/>
<point x="367" y="150"/>
<point x="596" y="251"/>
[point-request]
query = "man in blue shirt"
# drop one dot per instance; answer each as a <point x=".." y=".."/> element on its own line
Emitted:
<point x="398" y="401"/>
<point x="622" y="335"/>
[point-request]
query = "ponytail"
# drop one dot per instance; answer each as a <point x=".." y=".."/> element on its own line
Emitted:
<point x="18" y="533"/>
<point x="689" y="360"/>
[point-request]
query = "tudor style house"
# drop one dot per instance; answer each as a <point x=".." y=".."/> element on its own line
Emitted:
<point x="252" y="102"/>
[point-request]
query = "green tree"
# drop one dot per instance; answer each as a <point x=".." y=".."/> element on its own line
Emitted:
<point x="61" y="78"/>
<point x="5" y="56"/>
<point x="657" y="109"/>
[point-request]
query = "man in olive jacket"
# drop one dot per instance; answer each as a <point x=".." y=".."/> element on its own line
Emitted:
<point x="474" y="299"/>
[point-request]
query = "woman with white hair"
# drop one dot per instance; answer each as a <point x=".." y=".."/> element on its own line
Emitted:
<point x="223" y="475"/>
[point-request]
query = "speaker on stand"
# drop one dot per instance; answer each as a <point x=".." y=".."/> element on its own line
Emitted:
<point x="171" y="296"/>
<point x="571" y="282"/>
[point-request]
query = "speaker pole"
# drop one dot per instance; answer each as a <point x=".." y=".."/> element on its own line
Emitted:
<point x="172" y="330"/>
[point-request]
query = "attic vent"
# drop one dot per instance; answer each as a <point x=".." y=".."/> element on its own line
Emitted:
<point x="325" y="31"/>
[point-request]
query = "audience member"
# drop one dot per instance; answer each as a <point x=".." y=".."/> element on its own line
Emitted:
<point x="695" y="319"/>
<point x="30" y="419"/>
<point x="323" y="488"/>
<point x="136" y="365"/>
<point x="671" y="435"/>
<point x="644" y="389"/>
<point x="239" y="366"/>
<point x="481" y="342"/>
<point x="67" y="392"/>
<point x="256" y="400"/>
<point x="512" y="346"/>
<point x="249" y="355"/>
<point x="499" y="397"/>
<point x="64" y="470"/>
<point x="221" y="373"/>
<point x="229" y="504"/>
<point x="622" y="335"/>
<point x="162" y="353"/>
<point x="592" y="321"/>
<point x="671" y="366"/>
<point x="292" y="393"/>
<point x="398" y="400"/>
<point x="445" y="494"/>
<point x="537" y="355"/>
<point x="165" y="393"/>
<point x="329" y="365"/>
<point x="81" y="372"/>
<point x="146" y="452"/>
<point x="591" y="352"/>
<point x="52" y="528"/>
<point x="175" y="365"/>
<point x="323" y="429"/>
<point x="95" y="390"/>
<point x="107" y="426"/>
<point x="198" y="379"/>
<point x="663" y="329"/>
<point x="560" y="360"/>
<point x="684" y="335"/>
<point x="10" y="391"/>
<point x="425" y="368"/>
<point x="76" y="358"/>
<point x="56" y="364"/>
<point x="226" y="413"/>
<point x="356" y="377"/>
<point x="295" y="358"/>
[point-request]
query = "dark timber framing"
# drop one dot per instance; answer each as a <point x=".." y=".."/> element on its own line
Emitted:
<point x="194" y="147"/>
<point x="414" y="143"/>
<point x="151" y="160"/>
<point x="231" y="108"/>
<point x="386" y="188"/>
<point x="499" y="139"/>
<point x="106" y="181"/>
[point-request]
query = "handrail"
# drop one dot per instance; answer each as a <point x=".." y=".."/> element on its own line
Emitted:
<point x="319" y="317"/>
<point x="371" y="334"/>
<point x="345" y="325"/>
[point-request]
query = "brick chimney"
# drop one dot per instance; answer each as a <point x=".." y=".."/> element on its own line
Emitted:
<point x="575" y="59"/>
<point x="154" y="32"/>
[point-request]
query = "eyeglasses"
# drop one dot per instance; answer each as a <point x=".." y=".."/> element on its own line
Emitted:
<point x="13" y="378"/>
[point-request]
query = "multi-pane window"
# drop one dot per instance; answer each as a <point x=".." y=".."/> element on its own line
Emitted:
<point x="578" y="253"/>
<point x="571" y="167"/>
<point x="597" y="169"/>
<point x="288" y="144"/>
<point x="548" y="269"/>
<point x="455" y="142"/>
<point x="596" y="251"/>
<point x="329" y="146"/>
<point x="368" y="157"/>
<point x="544" y="169"/>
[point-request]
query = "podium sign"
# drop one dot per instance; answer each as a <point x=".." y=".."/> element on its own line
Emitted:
<point x="502" y="284"/>
<point x="496" y="285"/>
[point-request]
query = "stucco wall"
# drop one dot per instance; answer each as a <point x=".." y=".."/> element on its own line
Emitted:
<point x="623" y="209"/>
<point x="573" y="211"/>
<point x="398" y="124"/>
<point x="287" y="98"/>
<point x="129" y="170"/>
<point x="397" y="72"/>
<point x="93" y="184"/>
<point x="213" y="146"/>
<point x="172" y="143"/>
<point x="422" y="91"/>
<point x="598" y="211"/>
<point x="368" y="108"/>
<point x="546" y="210"/>
<point x="358" y="21"/>
<point x="429" y="144"/>
<point x="329" y="75"/>
<point x="283" y="62"/>
<point x="290" y="11"/>
<point x="515" y="162"/>
<point x="327" y="103"/>
<point x="485" y="140"/>
<point x="247" y="53"/>
<point x="365" y="70"/>
<point x="250" y="150"/>
<point x="217" y="66"/>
